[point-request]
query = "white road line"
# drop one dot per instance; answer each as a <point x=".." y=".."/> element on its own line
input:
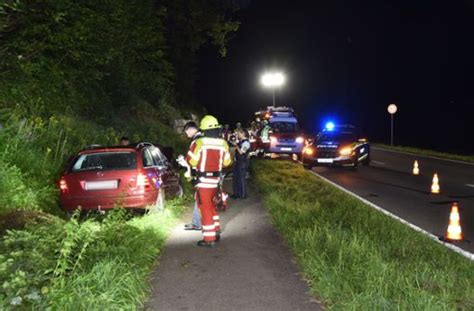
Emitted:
<point x="403" y="221"/>
<point x="377" y="162"/>
<point x="470" y="185"/>
<point x="422" y="156"/>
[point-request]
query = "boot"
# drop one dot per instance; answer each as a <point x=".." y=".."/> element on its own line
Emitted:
<point x="208" y="244"/>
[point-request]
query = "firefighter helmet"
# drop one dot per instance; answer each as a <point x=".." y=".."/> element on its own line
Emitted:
<point x="209" y="122"/>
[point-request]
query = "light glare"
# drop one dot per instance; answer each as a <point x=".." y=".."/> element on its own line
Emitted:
<point x="329" y="126"/>
<point x="275" y="79"/>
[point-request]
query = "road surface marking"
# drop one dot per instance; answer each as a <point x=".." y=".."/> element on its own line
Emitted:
<point x="470" y="185"/>
<point x="423" y="156"/>
<point x="377" y="162"/>
<point x="403" y="221"/>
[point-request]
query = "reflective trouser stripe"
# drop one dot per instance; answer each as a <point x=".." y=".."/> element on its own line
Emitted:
<point x="207" y="208"/>
<point x="208" y="186"/>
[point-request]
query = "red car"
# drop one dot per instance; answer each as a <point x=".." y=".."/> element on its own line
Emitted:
<point x="135" y="176"/>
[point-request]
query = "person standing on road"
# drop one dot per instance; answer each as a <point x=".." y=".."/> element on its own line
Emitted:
<point x="242" y="150"/>
<point x="192" y="132"/>
<point x="209" y="154"/>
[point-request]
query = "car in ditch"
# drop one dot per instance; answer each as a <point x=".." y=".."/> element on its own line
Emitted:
<point x="341" y="145"/>
<point x="137" y="176"/>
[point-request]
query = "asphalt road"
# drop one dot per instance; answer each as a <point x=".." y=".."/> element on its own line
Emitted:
<point x="250" y="269"/>
<point x="388" y="182"/>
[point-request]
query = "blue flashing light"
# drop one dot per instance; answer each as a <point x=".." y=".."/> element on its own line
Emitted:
<point x="329" y="126"/>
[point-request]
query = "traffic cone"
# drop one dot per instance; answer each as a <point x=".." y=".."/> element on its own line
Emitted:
<point x="435" y="184"/>
<point x="416" y="169"/>
<point x="454" y="232"/>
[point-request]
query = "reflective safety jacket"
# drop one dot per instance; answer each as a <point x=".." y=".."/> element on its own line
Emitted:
<point x="208" y="155"/>
<point x="265" y="133"/>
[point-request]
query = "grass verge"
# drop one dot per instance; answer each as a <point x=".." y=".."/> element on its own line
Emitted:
<point x="355" y="257"/>
<point x="97" y="263"/>
<point x="429" y="153"/>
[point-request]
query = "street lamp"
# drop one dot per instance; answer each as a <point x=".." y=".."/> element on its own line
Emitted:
<point x="272" y="80"/>
<point x="392" y="109"/>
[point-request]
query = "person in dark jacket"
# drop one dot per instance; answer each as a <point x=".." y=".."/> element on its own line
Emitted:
<point x="242" y="150"/>
<point x="192" y="131"/>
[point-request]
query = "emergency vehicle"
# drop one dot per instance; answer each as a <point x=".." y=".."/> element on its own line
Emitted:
<point x="284" y="135"/>
<point x="337" y="145"/>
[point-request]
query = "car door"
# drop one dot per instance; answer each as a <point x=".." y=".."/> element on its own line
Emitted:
<point x="169" y="176"/>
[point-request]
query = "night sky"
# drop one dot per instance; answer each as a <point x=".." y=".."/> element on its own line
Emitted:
<point x="347" y="60"/>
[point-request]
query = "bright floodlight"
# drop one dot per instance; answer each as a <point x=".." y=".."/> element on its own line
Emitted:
<point x="275" y="79"/>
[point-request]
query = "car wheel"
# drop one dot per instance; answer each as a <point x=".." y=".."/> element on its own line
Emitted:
<point x="355" y="164"/>
<point x="366" y="161"/>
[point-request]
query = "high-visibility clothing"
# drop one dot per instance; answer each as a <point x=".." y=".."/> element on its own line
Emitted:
<point x="209" y="155"/>
<point x="209" y="218"/>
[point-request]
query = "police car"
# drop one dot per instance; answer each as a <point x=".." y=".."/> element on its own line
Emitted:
<point x="337" y="145"/>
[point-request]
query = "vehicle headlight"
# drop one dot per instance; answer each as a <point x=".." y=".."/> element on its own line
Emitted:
<point x="308" y="151"/>
<point x="345" y="151"/>
<point x="299" y="140"/>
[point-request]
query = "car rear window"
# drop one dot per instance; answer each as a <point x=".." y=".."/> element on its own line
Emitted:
<point x="105" y="161"/>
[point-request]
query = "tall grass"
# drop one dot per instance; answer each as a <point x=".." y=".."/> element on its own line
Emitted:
<point x="356" y="258"/>
<point x="88" y="264"/>
<point x="72" y="264"/>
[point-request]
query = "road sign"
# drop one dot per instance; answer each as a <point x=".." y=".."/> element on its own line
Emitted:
<point x="392" y="108"/>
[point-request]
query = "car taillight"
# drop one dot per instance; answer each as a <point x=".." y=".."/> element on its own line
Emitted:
<point x="143" y="181"/>
<point x="63" y="185"/>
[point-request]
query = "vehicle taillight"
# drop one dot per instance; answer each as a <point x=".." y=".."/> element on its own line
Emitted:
<point x="143" y="181"/>
<point x="63" y="185"/>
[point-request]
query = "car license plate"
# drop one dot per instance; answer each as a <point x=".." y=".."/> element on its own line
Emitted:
<point x="101" y="185"/>
<point x="325" y="160"/>
<point x="285" y="149"/>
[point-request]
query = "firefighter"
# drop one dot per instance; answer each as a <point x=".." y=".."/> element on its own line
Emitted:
<point x="209" y="154"/>
<point x="242" y="150"/>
